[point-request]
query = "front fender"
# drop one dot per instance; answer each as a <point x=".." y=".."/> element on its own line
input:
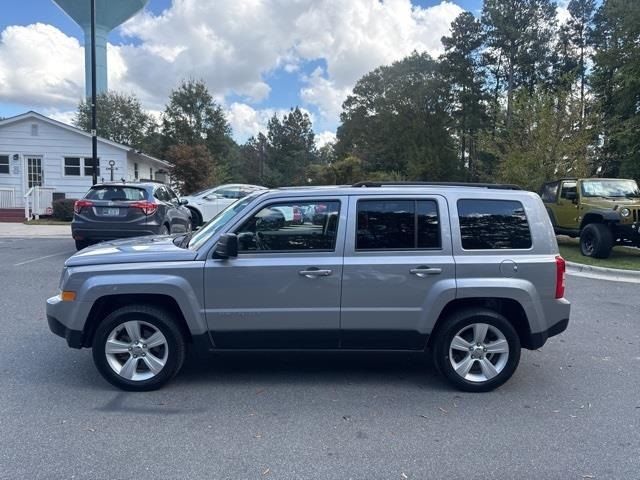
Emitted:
<point x="186" y="288"/>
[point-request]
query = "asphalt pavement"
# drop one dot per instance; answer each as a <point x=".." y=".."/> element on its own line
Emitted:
<point x="572" y="410"/>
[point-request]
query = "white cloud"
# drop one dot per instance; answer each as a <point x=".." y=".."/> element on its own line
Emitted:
<point x="325" y="138"/>
<point x="232" y="45"/>
<point x="40" y="66"/>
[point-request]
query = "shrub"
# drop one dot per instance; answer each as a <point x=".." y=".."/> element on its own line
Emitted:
<point x="63" y="209"/>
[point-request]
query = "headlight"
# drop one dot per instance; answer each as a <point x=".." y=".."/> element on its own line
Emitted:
<point x="625" y="212"/>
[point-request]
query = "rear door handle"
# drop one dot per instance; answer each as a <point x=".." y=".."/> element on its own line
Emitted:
<point x="314" y="272"/>
<point x="424" y="271"/>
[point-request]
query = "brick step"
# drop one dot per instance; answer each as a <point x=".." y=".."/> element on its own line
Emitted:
<point x="11" y="213"/>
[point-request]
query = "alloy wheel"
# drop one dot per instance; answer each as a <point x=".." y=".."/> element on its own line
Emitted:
<point x="136" y="350"/>
<point x="479" y="352"/>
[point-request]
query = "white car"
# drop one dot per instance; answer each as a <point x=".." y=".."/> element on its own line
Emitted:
<point x="206" y="204"/>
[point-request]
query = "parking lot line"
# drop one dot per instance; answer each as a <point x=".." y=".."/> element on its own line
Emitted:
<point x="42" y="258"/>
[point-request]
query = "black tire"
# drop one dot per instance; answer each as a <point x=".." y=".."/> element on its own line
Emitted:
<point x="161" y="320"/>
<point x="81" y="244"/>
<point x="457" y="322"/>
<point x="596" y="241"/>
<point x="196" y="218"/>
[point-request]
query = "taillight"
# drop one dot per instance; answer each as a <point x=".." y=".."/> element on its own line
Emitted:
<point x="561" y="268"/>
<point x="80" y="204"/>
<point x="148" y="208"/>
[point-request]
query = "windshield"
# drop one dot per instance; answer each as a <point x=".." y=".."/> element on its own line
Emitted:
<point x="610" y="188"/>
<point x="214" y="225"/>
<point x="202" y="193"/>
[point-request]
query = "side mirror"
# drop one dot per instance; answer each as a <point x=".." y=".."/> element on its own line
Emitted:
<point x="227" y="247"/>
<point x="184" y="201"/>
<point x="571" y="196"/>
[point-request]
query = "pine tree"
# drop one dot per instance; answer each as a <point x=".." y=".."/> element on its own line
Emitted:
<point x="465" y="76"/>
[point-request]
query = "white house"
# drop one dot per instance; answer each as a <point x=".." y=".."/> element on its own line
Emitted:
<point x="37" y="151"/>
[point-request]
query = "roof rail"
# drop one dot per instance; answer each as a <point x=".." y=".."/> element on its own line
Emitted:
<point x="497" y="186"/>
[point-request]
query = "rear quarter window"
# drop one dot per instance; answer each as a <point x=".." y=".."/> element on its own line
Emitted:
<point x="493" y="225"/>
<point x="549" y="192"/>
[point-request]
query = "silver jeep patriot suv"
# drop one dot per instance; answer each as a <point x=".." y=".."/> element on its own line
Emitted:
<point x="468" y="272"/>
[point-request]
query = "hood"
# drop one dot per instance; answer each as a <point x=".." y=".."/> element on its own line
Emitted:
<point x="611" y="202"/>
<point x="141" y="249"/>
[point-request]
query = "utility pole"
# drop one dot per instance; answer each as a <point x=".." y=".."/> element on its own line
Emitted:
<point x="94" y="135"/>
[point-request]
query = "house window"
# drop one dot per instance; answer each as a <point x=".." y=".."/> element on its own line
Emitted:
<point x="4" y="164"/>
<point x="72" y="166"/>
<point x="136" y="174"/>
<point x="75" y="166"/>
<point x="34" y="129"/>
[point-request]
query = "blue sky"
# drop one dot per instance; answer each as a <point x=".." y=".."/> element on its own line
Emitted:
<point x="291" y="58"/>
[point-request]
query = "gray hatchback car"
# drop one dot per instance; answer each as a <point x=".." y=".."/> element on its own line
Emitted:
<point x="469" y="273"/>
<point x="110" y="211"/>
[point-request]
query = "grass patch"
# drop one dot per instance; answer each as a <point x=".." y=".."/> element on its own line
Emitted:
<point x="625" y="258"/>
<point x="46" y="221"/>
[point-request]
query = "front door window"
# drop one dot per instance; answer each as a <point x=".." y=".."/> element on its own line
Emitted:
<point x="34" y="172"/>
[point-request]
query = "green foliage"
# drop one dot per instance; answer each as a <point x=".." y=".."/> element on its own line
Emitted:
<point x="192" y="117"/>
<point x="545" y="141"/>
<point x="193" y="168"/>
<point x="119" y="117"/>
<point x="463" y="72"/>
<point x="616" y="86"/>
<point x="396" y="120"/>
<point x="63" y="209"/>
<point x="290" y="149"/>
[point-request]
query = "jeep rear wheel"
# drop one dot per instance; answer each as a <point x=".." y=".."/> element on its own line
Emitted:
<point x="596" y="240"/>
<point x="477" y="350"/>
<point x="138" y="348"/>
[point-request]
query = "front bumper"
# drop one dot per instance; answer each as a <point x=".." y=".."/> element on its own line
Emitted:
<point x="629" y="232"/>
<point x="55" y="307"/>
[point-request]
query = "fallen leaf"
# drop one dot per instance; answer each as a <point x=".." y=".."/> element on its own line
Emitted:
<point x="588" y="476"/>
<point x="423" y="416"/>
<point x="403" y="475"/>
<point x="265" y="472"/>
<point x="91" y="429"/>
<point x="442" y="410"/>
<point x="346" y="418"/>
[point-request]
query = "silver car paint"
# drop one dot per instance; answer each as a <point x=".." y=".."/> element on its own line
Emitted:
<point x="378" y="292"/>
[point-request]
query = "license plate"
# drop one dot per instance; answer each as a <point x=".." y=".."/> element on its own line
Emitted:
<point x="110" y="212"/>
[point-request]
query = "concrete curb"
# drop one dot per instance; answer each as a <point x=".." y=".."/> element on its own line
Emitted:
<point x="602" y="273"/>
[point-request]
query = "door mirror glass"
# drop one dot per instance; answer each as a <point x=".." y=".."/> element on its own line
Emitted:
<point x="572" y="196"/>
<point x="227" y="247"/>
<point x="184" y="201"/>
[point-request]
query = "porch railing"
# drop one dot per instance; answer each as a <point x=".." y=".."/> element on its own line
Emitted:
<point x="7" y="198"/>
<point x="38" y="201"/>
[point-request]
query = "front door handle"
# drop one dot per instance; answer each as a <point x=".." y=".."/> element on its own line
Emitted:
<point x="424" y="271"/>
<point x="314" y="272"/>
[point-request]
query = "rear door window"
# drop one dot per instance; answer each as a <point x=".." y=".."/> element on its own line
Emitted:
<point x="116" y="193"/>
<point x="493" y="225"/>
<point x="397" y="225"/>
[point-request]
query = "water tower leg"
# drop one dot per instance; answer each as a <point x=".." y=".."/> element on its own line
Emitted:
<point x="101" y="60"/>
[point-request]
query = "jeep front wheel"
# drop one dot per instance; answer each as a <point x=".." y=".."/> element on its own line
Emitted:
<point x="138" y="348"/>
<point x="596" y="240"/>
